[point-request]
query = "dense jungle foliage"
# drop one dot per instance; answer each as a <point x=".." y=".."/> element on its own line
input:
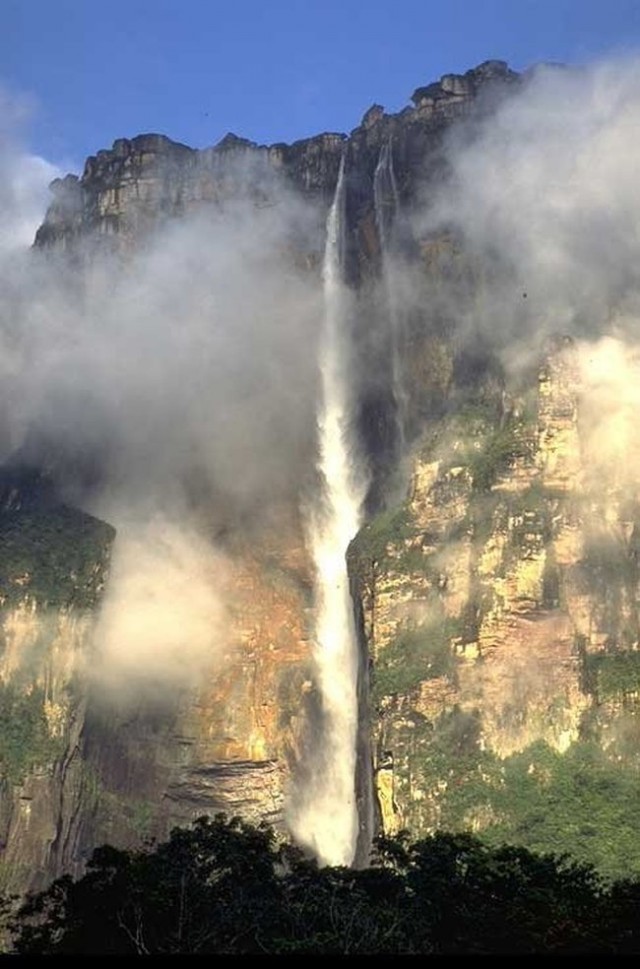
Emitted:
<point x="224" y="886"/>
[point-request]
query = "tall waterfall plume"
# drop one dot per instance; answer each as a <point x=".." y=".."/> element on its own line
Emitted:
<point x="385" y="196"/>
<point x="327" y="819"/>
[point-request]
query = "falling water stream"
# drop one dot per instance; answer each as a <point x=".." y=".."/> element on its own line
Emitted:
<point x="327" y="820"/>
<point x="385" y="195"/>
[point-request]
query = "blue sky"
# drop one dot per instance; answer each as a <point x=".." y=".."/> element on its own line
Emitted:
<point x="274" y="70"/>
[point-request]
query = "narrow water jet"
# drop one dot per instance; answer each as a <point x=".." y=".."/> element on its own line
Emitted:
<point x="326" y="817"/>
<point x="385" y="197"/>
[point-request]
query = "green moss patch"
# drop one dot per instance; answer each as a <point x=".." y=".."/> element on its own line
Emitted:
<point x="25" y="742"/>
<point x="390" y="528"/>
<point x="55" y="555"/>
<point x="581" y="802"/>
<point x="613" y="674"/>
<point x="414" y="656"/>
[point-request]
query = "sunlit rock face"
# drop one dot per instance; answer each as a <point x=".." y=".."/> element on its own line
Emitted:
<point x="500" y="610"/>
<point x="228" y="743"/>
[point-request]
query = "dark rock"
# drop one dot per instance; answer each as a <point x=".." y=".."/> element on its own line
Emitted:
<point x="372" y="116"/>
<point x="234" y="787"/>
<point x="430" y="92"/>
<point x="234" y="142"/>
<point x="24" y="487"/>
<point x="127" y="190"/>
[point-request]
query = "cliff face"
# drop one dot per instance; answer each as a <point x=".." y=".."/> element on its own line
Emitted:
<point x="79" y="767"/>
<point x="500" y="610"/>
<point x="228" y="745"/>
<point x="130" y="189"/>
<point x="95" y="770"/>
<point x="54" y="568"/>
<point x="499" y="618"/>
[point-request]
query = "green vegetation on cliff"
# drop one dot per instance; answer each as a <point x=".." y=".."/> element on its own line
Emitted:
<point x="493" y="456"/>
<point x="55" y="556"/>
<point x="379" y="537"/>
<point x="582" y="802"/>
<point x="25" y="739"/>
<point x="416" y="655"/>
<point x="613" y="674"/>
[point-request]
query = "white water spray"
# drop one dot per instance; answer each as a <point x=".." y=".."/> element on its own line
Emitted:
<point x="385" y="197"/>
<point x="327" y="820"/>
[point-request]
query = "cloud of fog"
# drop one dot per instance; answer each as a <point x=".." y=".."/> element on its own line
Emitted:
<point x="163" y="619"/>
<point x="24" y="177"/>
<point x="545" y="197"/>
<point x="192" y="359"/>
<point x="609" y="371"/>
<point x="171" y="392"/>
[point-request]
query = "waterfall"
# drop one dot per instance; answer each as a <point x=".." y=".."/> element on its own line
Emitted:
<point x="385" y="196"/>
<point x="327" y="819"/>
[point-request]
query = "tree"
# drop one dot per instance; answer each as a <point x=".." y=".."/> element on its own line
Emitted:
<point x="209" y="888"/>
<point x="229" y="887"/>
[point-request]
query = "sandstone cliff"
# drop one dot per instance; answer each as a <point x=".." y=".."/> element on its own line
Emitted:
<point x="500" y="611"/>
<point x="497" y="603"/>
<point x="128" y="190"/>
<point x="90" y="770"/>
<point x="54" y="567"/>
<point x="80" y="767"/>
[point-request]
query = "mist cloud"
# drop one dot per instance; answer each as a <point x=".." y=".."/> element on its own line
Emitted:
<point x="24" y="177"/>
<point x="194" y="356"/>
<point x="180" y="385"/>
<point x="163" y="620"/>
<point x="173" y="394"/>
<point x="546" y="198"/>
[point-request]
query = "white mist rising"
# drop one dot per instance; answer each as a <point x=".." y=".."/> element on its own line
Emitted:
<point x="163" y="620"/>
<point x="172" y="394"/>
<point x="544" y="195"/>
<point x="327" y="820"/>
<point x="24" y="177"/>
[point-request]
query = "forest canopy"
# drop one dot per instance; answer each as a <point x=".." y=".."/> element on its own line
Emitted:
<point x="226" y="886"/>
